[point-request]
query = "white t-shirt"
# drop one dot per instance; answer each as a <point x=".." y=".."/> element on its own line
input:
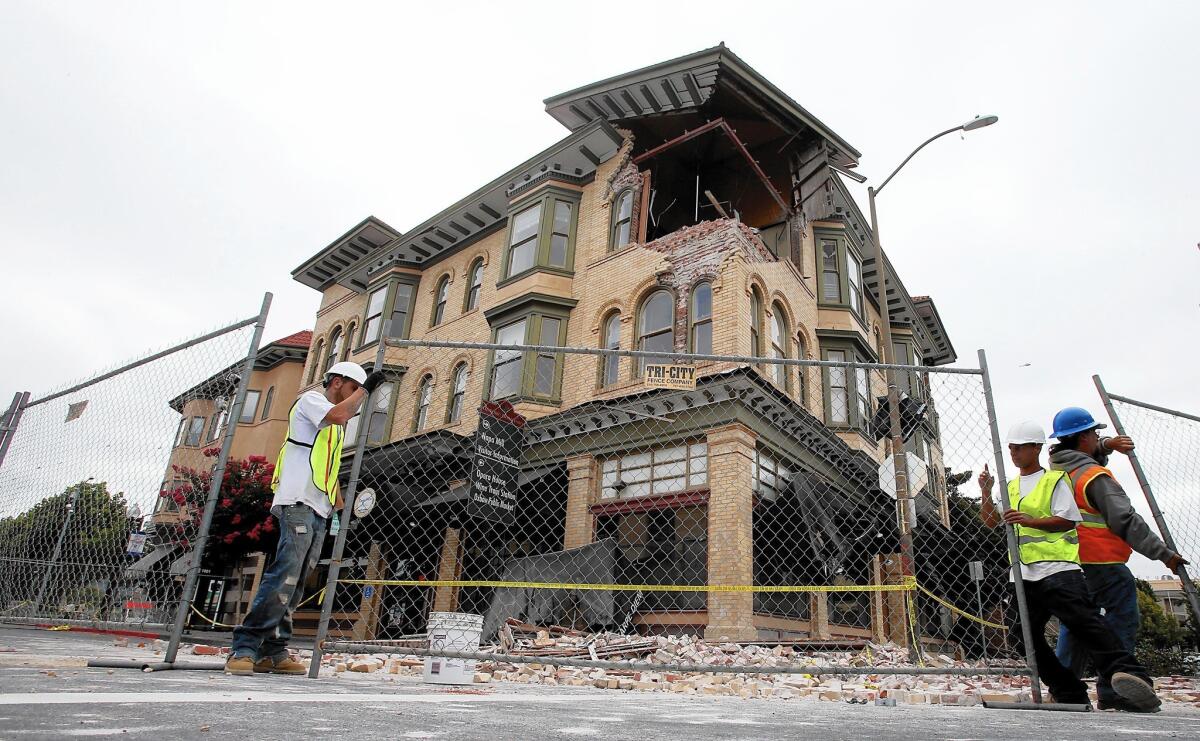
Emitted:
<point x="1062" y="504"/>
<point x="295" y="482"/>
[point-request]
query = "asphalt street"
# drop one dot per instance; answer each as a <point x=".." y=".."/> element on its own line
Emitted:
<point x="47" y="692"/>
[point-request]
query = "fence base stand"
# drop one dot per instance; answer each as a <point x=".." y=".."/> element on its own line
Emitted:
<point x="154" y="666"/>
<point x="1059" y="706"/>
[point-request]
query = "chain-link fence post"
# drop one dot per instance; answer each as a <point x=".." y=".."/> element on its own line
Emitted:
<point x="11" y="418"/>
<point x="214" y="489"/>
<point x="1189" y="588"/>
<point x="339" y="543"/>
<point x="1010" y="533"/>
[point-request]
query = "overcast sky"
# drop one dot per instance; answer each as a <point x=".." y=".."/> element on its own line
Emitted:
<point x="163" y="164"/>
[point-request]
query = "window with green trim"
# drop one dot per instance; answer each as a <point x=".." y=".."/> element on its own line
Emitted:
<point x="440" y="294"/>
<point x="530" y="375"/>
<point x="780" y="349"/>
<point x="847" y="391"/>
<point x="424" y="400"/>
<point x="474" y="285"/>
<point x="393" y="301"/>
<point x="700" y="337"/>
<point x="841" y="273"/>
<point x="541" y="235"/>
<point x="655" y="328"/>
<point x="379" y="410"/>
<point x="458" y="393"/>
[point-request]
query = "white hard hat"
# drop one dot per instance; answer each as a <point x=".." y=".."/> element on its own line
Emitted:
<point x="353" y="371"/>
<point x="1027" y="432"/>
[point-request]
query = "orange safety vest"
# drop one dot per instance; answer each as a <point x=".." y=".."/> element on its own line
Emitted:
<point x="1097" y="543"/>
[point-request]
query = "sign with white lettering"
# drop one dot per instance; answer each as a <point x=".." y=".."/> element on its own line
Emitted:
<point x="670" y="376"/>
<point x="498" y="446"/>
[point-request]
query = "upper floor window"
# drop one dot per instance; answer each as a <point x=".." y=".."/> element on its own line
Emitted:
<point x="780" y="337"/>
<point x="195" y="430"/>
<point x="755" y="323"/>
<point x="802" y="353"/>
<point x="214" y="426"/>
<point x="838" y="407"/>
<point x="317" y="356"/>
<point x="349" y="343"/>
<point x="474" y="285"/>
<point x="622" y="220"/>
<point x="536" y="375"/>
<point x="507" y="364"/>
<point x="610" y="364"/>
<point x="701" y="319"/>
<point x="267" y="403"/>
<point x="181" y="432"/>
<point x="335" y="349"/>
<point x="659" y="471"/>
<point x="831" y="279"/>
<point x="249" y="407"/>
<point x="394" y="302"/>
<point x="458" y="393"/>
<point x="424" y="398"/>
<point x="379" y="410"/>
<point x="656" y="327"/>
<point x="439" y="301"/>
<point x="841" y="273"/>
<point x="542" y="235"/>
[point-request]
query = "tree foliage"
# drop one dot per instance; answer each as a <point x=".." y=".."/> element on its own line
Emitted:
<point x="242" y="522"/>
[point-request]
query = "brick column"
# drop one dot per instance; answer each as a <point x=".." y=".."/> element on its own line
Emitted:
<point x="445" y="599"/>
<point x="818" y="611"/>
<point x="581" y="476"/>
<point x="369" y="607"/>
<point x="730" y="551"/>
<point x="895" y="604"/>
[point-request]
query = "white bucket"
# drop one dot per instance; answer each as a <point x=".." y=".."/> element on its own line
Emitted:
<point x="452" y="631"/>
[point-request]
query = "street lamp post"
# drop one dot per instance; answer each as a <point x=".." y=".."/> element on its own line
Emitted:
<point x="905" y="504"/>
<point x="62" y="534"/>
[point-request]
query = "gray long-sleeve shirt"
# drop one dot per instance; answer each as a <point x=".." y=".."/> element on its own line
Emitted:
<point x="1107" y="496"/>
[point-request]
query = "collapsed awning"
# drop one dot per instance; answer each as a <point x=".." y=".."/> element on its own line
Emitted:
<point x="143" y="565"/>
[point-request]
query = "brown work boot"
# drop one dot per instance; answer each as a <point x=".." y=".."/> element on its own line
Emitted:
<point x="240" y="665"/>
<point x="283" y="664"/>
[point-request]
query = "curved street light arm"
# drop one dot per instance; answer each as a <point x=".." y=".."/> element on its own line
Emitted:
<point x="914" y="152"/>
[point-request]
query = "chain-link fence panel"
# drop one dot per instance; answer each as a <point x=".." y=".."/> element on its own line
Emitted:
<point x="617" y="503"/>
<point x="1167" y="466"/>
<point x="97" y="492"/>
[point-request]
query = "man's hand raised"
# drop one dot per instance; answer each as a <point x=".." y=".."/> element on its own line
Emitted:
<point x="374" y="378"/>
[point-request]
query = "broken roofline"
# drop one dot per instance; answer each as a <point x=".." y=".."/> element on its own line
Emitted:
<point x="726" y="61"/>
<point x="475" y="215"/>
<point x="218" y="384"/>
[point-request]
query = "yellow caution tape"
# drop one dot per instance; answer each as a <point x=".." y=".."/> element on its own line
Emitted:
<point x="212" y="622"/>
<point x="907" y="585"/>
<point x="959" y="612"/>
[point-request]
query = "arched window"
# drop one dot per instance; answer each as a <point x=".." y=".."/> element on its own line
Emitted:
<point x="656" y="327"/>
<point x="439" y="301"/>
<point x="266" y="407"/>
<point x="610" y="364"/>
<point x="335" y="349"/>
<point x="780" y="343"/>
<point x="317" y="355"/>
<point x="424" y="397"/>
<point x="755" y="323"/>
<point x="349" y="343"/>
<point x="802" y="353"/>
<point x="474" y="284"/>
<point x="458" y="393"/>
<point x="701" y="319"/>
<point x="622" y="220"/>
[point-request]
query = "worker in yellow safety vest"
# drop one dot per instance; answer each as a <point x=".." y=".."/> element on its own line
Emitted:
<point x="1043" y="515"/>
<point x="306" y="497"/>
<point x="1109" y="533"/>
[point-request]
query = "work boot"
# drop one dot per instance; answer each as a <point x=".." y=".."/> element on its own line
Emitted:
<point x="239" y="665"/>
<point x="1123" y="705"/>
<point x="1138" y="692"/>
<point x="282" y="664"/>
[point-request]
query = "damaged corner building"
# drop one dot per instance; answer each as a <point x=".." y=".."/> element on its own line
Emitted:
<point x="691" y="207"/>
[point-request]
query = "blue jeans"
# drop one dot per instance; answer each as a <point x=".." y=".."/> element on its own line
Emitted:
<point x="268" y="627"/>
<point x="1112" y="587"/>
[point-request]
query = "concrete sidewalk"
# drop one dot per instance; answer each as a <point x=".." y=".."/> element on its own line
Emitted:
<point x="46" y="692"/>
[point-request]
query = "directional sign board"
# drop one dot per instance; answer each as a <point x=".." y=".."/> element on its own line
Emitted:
<point x="499" y="443"/>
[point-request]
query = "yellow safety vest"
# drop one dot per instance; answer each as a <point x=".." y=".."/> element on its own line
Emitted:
<point x="1037" y="545"/>
<point x="324" y="458"/>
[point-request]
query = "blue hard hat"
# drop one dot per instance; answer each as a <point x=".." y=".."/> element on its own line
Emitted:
<point x="1072" y="420"/>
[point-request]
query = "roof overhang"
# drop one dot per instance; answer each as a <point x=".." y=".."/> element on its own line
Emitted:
<point x="576" y="157"/>
<point x="322" y="269"/>
<point x="685" y="84"/>
<point x="943" y="349"/>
